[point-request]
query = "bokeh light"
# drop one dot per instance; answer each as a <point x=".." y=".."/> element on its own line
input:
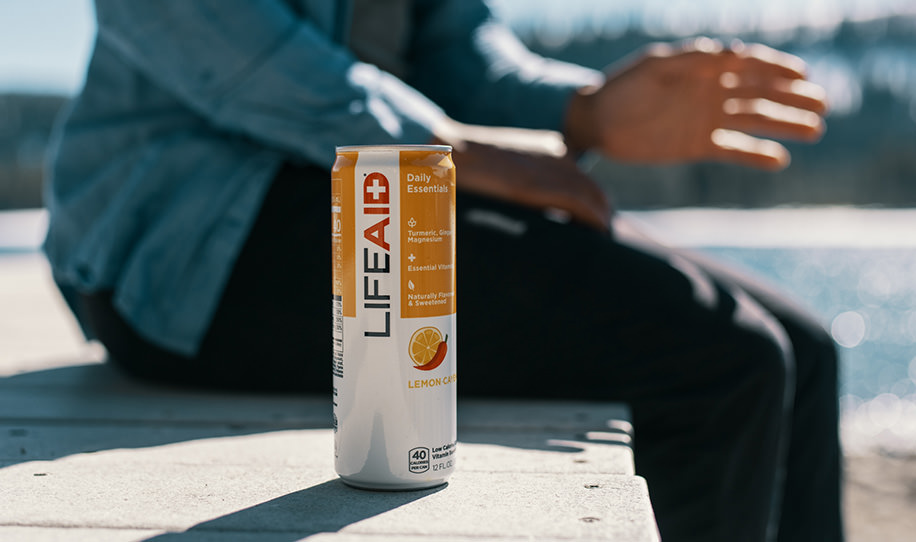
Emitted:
<point x="848" y="329"/>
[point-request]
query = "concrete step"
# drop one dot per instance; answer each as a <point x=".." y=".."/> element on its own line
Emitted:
<point x="87" y="455"/>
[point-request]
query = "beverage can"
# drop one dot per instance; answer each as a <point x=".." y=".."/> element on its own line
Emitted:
<point x="393" y="309"/>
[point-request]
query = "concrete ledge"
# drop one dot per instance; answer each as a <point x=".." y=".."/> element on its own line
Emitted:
<point x="210" y="467"/>
<point x="86" y="454"/>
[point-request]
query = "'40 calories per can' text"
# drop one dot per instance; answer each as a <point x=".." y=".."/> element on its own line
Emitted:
<point x="393" y="257"/>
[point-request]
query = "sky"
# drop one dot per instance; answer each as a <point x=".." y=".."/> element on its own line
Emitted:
<point x="44" y="44"/>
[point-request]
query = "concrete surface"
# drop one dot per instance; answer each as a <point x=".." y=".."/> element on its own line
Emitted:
<point x="86" y="454"/>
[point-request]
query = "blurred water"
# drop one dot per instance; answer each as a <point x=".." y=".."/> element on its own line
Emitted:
<point x="854" y="269"/>
<point x="866" y="298"/>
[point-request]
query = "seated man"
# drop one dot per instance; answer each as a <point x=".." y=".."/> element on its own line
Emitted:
<point x="189" y="200"/>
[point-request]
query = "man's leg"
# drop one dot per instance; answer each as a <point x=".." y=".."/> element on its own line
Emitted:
<point x="811" y="507"/>
<point x="559" y="311"/>
<point x="271" y="330"/>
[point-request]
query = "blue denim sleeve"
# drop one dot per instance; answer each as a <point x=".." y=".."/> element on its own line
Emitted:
<point x="479" y="72"/>
<point x="257" y="68"/>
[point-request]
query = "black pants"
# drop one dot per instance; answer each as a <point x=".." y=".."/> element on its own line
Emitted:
<point x="733" y="389"/>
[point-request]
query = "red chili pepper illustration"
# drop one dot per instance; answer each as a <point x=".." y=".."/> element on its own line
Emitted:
<point x="438" y="358"/>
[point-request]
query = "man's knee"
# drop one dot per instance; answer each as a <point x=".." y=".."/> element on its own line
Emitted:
<point x="771" y="359"/>
<point x="817" y="355"/>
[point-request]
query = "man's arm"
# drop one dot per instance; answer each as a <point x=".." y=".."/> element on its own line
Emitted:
<point x="699" y="101"/>
<point x="256" y="68"/>
<point x="674" y="103"/>
<point x="480" y="73"/>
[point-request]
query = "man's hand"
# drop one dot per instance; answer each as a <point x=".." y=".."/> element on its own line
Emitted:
<point x="526" y="167"/>
<point x="674" y="103"/>
<point x="536" y="180"/>
<point x="700" y="101"/>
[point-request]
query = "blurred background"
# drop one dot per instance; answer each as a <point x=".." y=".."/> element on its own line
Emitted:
<point x="862" y="51"/>
<point x="837" y="228"/>
<point x="858" y="269"/>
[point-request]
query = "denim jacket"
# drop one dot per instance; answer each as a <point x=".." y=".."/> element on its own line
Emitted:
<point x="190" y="107"/>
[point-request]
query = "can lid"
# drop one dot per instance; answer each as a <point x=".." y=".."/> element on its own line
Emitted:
<point x="391" y="148"/>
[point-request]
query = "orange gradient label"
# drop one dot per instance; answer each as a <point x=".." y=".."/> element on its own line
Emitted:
<point x="427" y="215"/>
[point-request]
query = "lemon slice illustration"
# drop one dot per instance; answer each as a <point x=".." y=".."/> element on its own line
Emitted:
<point x="423" y="345"/>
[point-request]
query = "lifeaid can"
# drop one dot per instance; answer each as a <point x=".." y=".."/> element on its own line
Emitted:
<point x="393" y="312"/>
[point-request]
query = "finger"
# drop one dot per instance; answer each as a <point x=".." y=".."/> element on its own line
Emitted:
<point x="747" y="60"/>
<point x="589" y="212"/>
<point x="764" y="117"/>
<point x="697" y="46"/>
<point x="703" y="44"/>
<point x="582" y="197"/>
<point x="745" y="150"/>
<point x="585" y="204"/>
<point x="600" y="216"/>
<point x="760" y="60"/>
<point x="797" y="93"/>
<point x="558" y="184"/>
